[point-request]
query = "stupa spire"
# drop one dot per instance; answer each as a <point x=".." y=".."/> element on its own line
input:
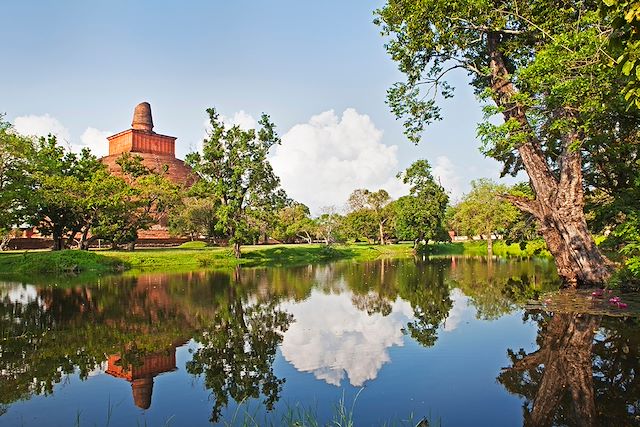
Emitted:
<point x="142" y="119"/>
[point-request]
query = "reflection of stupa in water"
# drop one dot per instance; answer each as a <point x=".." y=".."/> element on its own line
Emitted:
<point x="141" y="376"/>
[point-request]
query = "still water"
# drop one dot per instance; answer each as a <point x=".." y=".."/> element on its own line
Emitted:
<point x="455" y="341"/>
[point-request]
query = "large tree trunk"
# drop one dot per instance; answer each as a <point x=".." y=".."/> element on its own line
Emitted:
<point x="381" y="231"/>
<point x="236" y="250"/>
<point x="559" y="203"/>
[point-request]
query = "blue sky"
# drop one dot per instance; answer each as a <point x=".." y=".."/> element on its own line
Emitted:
<point x="78" y="68"/>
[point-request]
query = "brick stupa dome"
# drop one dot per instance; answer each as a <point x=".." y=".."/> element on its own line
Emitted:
<point x="155" y="149"/>
<point x="157" y="152"/>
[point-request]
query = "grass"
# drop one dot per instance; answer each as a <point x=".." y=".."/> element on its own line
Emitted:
<point x="194" y="255"/>
<point x="59" y="262"/>
<point x="187" y="257"/>
<point x="500" y="248"/>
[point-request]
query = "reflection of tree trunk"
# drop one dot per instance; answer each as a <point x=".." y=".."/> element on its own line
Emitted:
<point x="565" y="353"/>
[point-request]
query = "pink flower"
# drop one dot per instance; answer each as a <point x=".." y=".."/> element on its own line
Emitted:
<point x="614" y="300"/>
<point x="622" y="305"/>
<point x="598" y="293"/>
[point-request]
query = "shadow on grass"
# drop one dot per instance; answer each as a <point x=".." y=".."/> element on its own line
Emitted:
<point x="281" y="256"/>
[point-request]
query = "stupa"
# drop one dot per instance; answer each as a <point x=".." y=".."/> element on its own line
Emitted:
<point x="156" y="150"/>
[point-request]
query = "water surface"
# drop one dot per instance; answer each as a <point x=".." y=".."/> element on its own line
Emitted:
<point x="448" y="339"/>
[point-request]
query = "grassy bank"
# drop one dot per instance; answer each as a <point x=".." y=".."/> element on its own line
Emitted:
<point x="189" y="256"/>
<point x="500" y="248"/>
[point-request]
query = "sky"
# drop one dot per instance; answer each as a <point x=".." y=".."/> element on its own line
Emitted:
<point x="77" y="69"/>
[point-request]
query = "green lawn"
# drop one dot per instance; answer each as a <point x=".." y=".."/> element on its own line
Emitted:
<point x="191" y="255"/>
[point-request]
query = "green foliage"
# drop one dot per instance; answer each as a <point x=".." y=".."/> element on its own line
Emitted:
<point x="15" y="180"/>
<point x="482" y="211"/>
<point x="370" y="212"/>
<point x="330" y="226"/>
<point x="420" y="215"/>
<point x="196" y="217"/>
<point x="62" y="190"/>
<point x="233" y="168"/>
<point x="624" y="43"/>
<point x="361" y="225"/>
<point x="237" y="353"/>
<point x="294" y="223"/>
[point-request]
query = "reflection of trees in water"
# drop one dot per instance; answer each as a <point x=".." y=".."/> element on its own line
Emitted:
<point x="237" y="354"/>
<point x="62" y="330"/>
<point x="233" y="314"/>
<point x="583" y="374"/>
<point x="498" y="286"/>
<point x="376" y="284"/>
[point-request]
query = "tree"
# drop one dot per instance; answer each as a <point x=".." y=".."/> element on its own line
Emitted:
<point x="624" y="43"/>
<point x="482" y="211"/>
<point x="196" y="217"/>
<point x="376" y="202"/>
<point x="541" y="65"/>
<point x="361" y="224"/>
<point x="142" y="199"/>
<point x="419" y="215"/>
<point x="328" y="225"/>
<point x="233" y="168"/>
<point x="15" y="180"/>
<point x="294" y="222"/>
<point x="59" y="199"/>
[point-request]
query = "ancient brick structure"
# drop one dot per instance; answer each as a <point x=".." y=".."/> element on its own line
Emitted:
<point x="155" y="149"/>
<point x="157" y="152"/>
<point x="141" y="376"/>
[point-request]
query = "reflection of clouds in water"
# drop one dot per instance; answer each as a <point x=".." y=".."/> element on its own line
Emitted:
<point x="457" y="311"/>
<point x="330" y="337"/>
<point x="16" y="293"/>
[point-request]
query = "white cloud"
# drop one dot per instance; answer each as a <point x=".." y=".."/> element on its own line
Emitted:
<point x="332" y="339"/>
<point x="322" y="161"/>
<point x="444" y="170"/>
<point x="242" y="119"/>
<point x="95" y="140"/>
<point x="41" y="126"/>
<point x="459" y="311"/>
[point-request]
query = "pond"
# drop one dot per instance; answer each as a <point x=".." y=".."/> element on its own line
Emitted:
<point x="452" y="341"/>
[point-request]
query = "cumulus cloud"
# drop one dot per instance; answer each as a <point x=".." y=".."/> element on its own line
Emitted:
<point x="444" y="170"/>
<point x="33" y="125"/>
<point x="95" y="140"/>
<point x="459" y="311"/>
<point x="332" y="339"/>
<point x="322" y="161"/>
<point x="241" y="118"/>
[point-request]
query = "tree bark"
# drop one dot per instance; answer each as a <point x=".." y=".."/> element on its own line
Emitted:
<point x="236" y="250"/>
<point x="4" y="241"/>
<point x="84" y="241"/>
<point x="489" y="245"/>
<point x="58" y="242"/>
<point x="559" y="203"/>
<point x="381" y="231"/>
